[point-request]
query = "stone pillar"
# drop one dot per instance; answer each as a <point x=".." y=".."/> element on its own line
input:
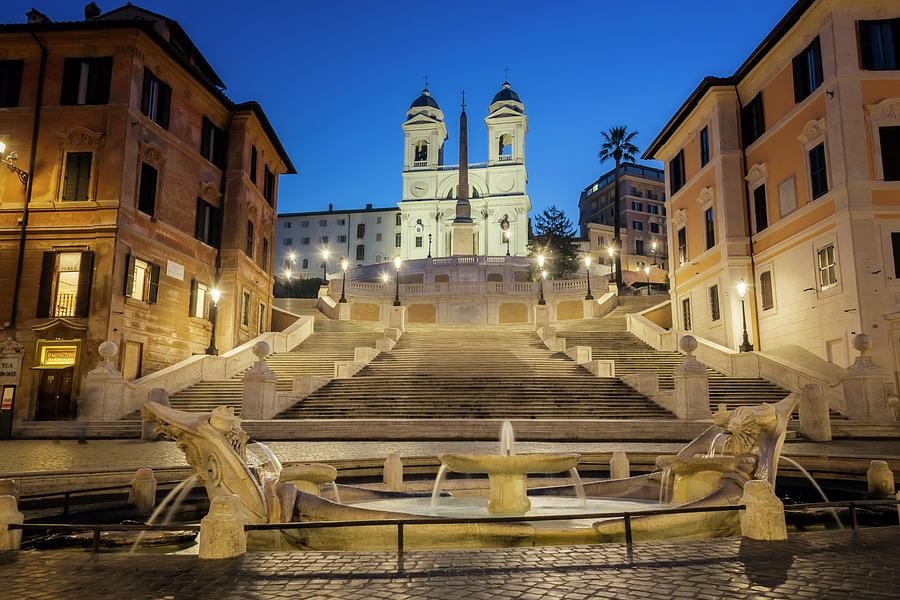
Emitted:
<point x="865" y="395"/>
<point x="393" y="472"/>
<point x="258" y="401"/>
<point x="541" y="316"/>
<point x="587" y="308"/>
<point x="691" y="384"/>
<point x="397" y="318"/>
<point x="815" y="420"/>
<point x="619" y="465"/>
<point x="881" y="480"/>
<point x="148" y="428"/>
<point x="763" y="517"/>
<point x="222" y="532"/>
<point x="143" y="491"/>
<point x="104" y="389"/>
<point x="342" y="311"/>
<point x="8" y="487"/>
<point x="9" y="514"/>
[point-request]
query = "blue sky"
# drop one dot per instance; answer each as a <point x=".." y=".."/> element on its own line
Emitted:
<point x="336" y="77"/>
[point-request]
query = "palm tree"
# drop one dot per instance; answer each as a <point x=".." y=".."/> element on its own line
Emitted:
<point x="618" y="146"/>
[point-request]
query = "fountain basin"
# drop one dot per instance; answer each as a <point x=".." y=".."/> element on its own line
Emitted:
<point x="508" y="474"/>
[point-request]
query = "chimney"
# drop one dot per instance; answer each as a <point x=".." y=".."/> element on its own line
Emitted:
<point x="91" y="11"/>
<point x="368" y="206"/>
<point x="37" y="17"/>
<point x="330" y="207"/>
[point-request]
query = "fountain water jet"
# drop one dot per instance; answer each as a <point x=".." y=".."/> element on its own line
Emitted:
<point x="815" y="485"/>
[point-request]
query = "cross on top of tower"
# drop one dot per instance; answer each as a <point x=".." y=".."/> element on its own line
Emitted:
<point x="426" y="81"/>
<point x="506" y="71"/>
<point x="464" y="99"/>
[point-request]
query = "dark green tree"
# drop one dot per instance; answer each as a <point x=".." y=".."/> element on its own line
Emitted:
<point x="553" y="237"/>
<point x="618" y="146"/>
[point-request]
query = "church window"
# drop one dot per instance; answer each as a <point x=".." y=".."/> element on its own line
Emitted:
<point x="397" y="239"/>
<point x="505" y="149"/>
<point x="360" y="252"/>
<point x="418" y="241"/>
<point x="475" y="192"/>
<point x="305" y="263"/>
<point x="378" y="220"/>
<point x="377" y="237"/>
<point x="306" y="241"/>
<point x="361" y="231"/>
<point x="342" y="239"/>
<point x="421" y="151"/>
<point x="397" y="220"/>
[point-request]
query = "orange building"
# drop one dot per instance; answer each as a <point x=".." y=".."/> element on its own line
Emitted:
<point x="786" y="177"/>
<point x="146" y="190"/>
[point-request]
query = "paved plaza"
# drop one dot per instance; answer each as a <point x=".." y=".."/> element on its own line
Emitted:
<point x="28" y="456"/>
<point x="835" y="565"/>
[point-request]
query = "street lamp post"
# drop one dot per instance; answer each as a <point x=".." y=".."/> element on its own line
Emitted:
<point x="397" y="282"/>
<point x="612" y="263"/>
<point x="506" y="235"/>
<point x="215" y="294"/>
<point x="429" y="245"/>
<point x="10" y="162"/>
<point x="745" y="346"/>
<point x="325" y="266"/>
<point x="587" y="266"/>
<point x="541" y="300"/>
<point x="344" y="265"/>
<point x="653" y="248"/>
<point x="647" y="273"/>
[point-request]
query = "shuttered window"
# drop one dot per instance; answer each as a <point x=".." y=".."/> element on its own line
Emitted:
<point x="206" y="228"/>
<point x="147" y="189"/>
<point x="10" y="82"/>
<point x="714" y="313"/>
<point x="269" y="186"/>
<point x="710" y="228"/>
<point x="753" y="123"/>
<point x="807" y="71"/>
<point x="818" y="171"/>
<point x="199" y="295"/>
<point x="890" y="152"/>
<point x="879" y="44"/>
<point x="253" y="165"/>
<point x="141" y="280"/>
<point x="213" y="144"/>
<point x="86" y="81"/>
<point x="65" y="287"/>
<point x="686" y="313"/>
<point x="77" y="176"/>
<point x="156" y="99"/>
<point x="760" y="207"/>
<point x="676" y="172"/>
<point x="765" y="290"/>
<point x="682" y="246"/>
<point x="249" y="249"/>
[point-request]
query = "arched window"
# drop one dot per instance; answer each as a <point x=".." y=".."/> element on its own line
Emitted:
<point x="450" y="193"/>
<point x="360" y="252"/>
<point x="360" y="231"/>
<point x="421" y="151"/>
<point x="305" y="263"/>
<point x="475" y="192"/>
<point x="505" y="149"/>
<point x="377" y="259"/>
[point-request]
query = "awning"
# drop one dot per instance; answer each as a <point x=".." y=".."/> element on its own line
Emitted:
<point x="52" y="367"/>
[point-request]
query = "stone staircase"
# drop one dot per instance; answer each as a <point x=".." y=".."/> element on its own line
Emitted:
<point x="331" y="341"/>
<point x="609" y="340"/>
<point x="481" y="372"/>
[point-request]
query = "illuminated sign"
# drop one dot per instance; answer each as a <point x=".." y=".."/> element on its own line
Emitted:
<point x="7" y="399"/>
<point x="58" y="355"/>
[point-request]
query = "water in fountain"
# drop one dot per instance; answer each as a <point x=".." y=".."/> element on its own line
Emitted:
<point x="261" y="458"/>
<point x="507" y="439"/>
<point x="176" y="496"/>
<point x="665" y="485"/>
<point x="715" y="445"/>
<point x="815" y="485"/>
<point x="438" y="482"/>
<point x="579" y="488"/>
<point x="337" y="496"/>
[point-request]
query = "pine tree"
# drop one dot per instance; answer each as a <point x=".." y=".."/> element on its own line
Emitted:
<point x="553" y="235"/>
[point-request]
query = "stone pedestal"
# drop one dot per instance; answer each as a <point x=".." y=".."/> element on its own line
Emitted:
<point x="619" y="465"/>
<point x="104" y="389"/>
<point x="691" y="398"/>
<point x="587" y="308"/>
<point x="222" y="530"/>
<point x="463" y="239"/>
<point x="148" y="428"/>
<point x="580" y="354"/>
<point x="143" y="491"/>
<point x="880" y="479"/>
<point x="8" y="488"/>
<point x="10" y="539"/>
<point x="397" y="319"/>
<point x="393" y="472"/>
<point x="763" y="519"/>
<point x="508" y="493"/>
<point x="342" y="311"/>
<point x="815" y="420"/>
<point x="865" y="395"/>
<point x="258" y="401"/>
<point x="541" y="316"/>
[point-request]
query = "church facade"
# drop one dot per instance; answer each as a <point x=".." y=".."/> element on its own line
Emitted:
<point x="422" y="226"/>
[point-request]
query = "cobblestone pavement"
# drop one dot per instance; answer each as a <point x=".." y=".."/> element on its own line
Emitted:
<point x="819" y="565"/>
<point x="25" y="456"/>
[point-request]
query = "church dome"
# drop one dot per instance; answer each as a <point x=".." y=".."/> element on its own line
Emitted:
<point x="506" y="94"/>
<point x="425" y="100"/>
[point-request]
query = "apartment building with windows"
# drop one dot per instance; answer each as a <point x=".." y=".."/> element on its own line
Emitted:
<point x="786" y="176"/>
<point x="147" y="189"/>
<point x="642" y="210"/>
<point x="362" y="236"/>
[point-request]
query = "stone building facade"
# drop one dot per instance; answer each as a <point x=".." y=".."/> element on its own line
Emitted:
<point x="148" y="189"/>
<point x="642" y="209"/>
<point x="786" y="176"/>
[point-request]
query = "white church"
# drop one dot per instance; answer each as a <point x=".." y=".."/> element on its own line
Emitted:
<point x="422" y="224"/>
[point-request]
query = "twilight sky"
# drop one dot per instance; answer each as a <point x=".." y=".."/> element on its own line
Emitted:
<point x="336" y="77"/>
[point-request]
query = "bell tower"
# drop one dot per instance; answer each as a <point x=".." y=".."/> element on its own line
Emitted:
<point x="507" y="125"/>
<point x="424" y="133"/>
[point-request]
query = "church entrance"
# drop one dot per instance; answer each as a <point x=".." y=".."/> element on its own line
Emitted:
<point x="55" y="394"/>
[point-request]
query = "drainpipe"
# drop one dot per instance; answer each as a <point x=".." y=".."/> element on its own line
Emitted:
<point x="756" y="341"/>
<point x="31" y="160"/>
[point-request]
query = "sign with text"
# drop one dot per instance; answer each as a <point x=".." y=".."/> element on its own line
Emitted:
<point x="174" y="270"/>
<point x="58" y="355"/>
<point x="10" y="370"/>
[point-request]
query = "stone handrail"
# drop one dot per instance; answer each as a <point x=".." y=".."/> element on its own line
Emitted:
<point x="458" y="288"/>
<point x="651" y="333"/>
<point x="203" y="367"/>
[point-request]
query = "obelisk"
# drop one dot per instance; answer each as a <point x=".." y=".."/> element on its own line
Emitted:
<point x="463" y="226"/>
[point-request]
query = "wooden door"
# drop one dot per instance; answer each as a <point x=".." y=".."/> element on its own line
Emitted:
<point x="54" y="394"/>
